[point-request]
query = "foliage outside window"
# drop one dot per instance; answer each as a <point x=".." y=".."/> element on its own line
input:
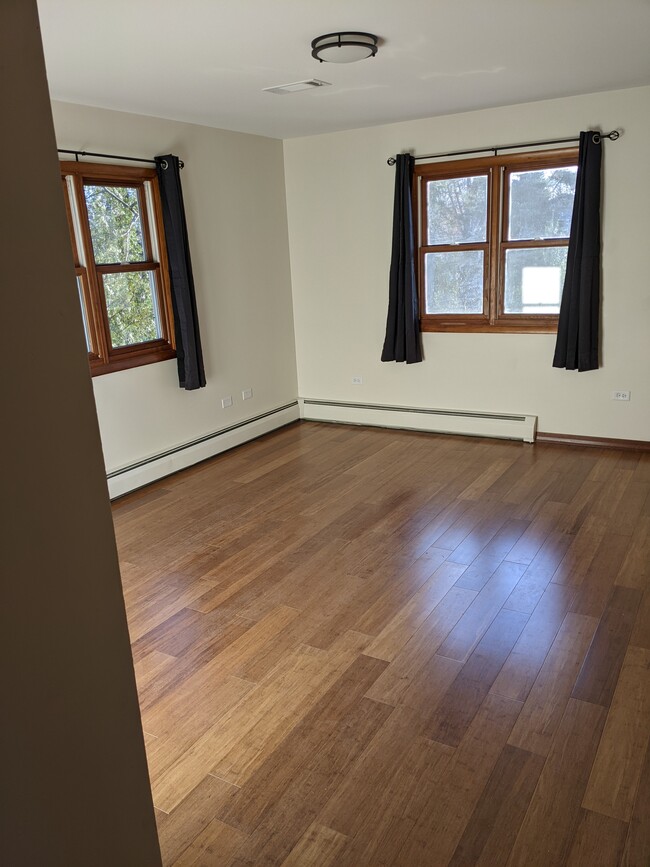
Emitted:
<point x="120" y="261"/>
<point x="493" y="238"/>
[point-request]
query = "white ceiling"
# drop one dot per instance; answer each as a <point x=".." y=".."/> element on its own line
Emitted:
<point x="206" y="61"/>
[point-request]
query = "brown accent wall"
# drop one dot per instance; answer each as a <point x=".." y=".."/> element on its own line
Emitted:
<point x="74" y="781"/>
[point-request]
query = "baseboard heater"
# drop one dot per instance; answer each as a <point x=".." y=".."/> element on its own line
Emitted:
<point x="446" y="421"/>
<point x="129" y="478"/>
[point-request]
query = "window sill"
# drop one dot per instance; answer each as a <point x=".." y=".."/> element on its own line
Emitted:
<point x="98" y="367"/>
<point x="484" y="327"/>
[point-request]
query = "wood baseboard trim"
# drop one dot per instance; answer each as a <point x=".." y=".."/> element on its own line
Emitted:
<point x="597" y="442"/>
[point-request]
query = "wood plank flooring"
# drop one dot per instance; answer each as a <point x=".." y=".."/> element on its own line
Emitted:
<point x="363" y="647"/>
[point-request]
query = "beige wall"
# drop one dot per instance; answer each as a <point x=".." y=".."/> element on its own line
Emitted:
<point x="233" y="185"/>
<point x="339" y="199"/>
<point x="75" y="790"/>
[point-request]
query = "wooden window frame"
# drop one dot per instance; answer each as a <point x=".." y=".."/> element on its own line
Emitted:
<point x="103" y="357"/>
<point x="498" y="168"/>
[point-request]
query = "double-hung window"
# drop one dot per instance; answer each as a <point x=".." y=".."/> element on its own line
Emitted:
<point x="118" y="246"/>
<point x="493" y="238"/>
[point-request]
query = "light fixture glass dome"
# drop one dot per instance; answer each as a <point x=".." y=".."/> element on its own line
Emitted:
<point x="346" y="47"/>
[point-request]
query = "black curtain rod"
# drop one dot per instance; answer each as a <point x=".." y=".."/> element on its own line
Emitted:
<point x="598" y="136"/>
<point x="78" y="154"/>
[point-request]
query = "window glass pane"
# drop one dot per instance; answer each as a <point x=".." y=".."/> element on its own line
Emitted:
<point x="534" y="280"/>
<point x="454" y="282"/>
<point x="457" y="210"/>
<point x="115" y="223"/>
<point x="84" y="314"/>
<point x="132" y="310"/>
<point x="541" y="203"/>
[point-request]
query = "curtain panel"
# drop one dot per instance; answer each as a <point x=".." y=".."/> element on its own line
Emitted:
<point x="402" y="341"/>
<point x="577" y="345"/>
<point x="189" y="356"/>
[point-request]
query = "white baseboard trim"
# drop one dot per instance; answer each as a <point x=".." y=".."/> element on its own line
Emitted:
<point x="129" y="478"/>
<point x="446" y="421"/>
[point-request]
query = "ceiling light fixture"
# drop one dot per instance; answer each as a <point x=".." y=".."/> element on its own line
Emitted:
<point x="345" y="47"/>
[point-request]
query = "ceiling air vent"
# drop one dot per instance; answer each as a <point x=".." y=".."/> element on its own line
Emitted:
<point x="296" y="86"/>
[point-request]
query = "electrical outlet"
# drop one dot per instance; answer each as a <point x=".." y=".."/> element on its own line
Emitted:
<point x="226" y="401"/>
<point x="620" y="394"/>
<point x="247" y="393"/>
<point x="357" y="380"/>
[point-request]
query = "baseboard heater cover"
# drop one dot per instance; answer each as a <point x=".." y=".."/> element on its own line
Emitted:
<point x="444" y="421"/>
<point x="129" y="478"/>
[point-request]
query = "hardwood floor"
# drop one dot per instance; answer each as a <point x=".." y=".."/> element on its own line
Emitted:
<point x="362" y="647"/>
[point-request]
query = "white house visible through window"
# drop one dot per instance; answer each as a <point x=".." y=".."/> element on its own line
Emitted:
<point x="493" y="238"/>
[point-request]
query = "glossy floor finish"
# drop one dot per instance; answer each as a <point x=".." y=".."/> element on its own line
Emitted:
<point x="370" y="647"/>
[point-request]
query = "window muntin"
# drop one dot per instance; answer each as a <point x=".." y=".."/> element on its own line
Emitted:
<point x="118" y="246"/>
<point x="493" y="241"/>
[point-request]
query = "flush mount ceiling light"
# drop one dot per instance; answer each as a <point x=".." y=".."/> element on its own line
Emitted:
<point x="344" y="47"/>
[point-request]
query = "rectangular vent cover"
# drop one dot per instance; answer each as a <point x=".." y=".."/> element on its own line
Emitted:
<point x="297" y="86"/>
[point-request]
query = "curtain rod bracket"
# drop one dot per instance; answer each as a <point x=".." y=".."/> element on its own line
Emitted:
<point x="612" y="136"/>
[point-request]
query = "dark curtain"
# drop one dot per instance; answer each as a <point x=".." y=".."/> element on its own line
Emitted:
<point x="402" y="342"/>
<point x="579" y="322"/>
<point x="191" y="374"/>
